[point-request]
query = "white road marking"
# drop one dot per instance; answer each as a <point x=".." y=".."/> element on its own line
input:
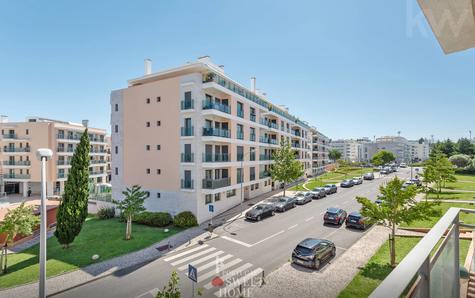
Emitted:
<point x="310" y="218"/>
<point x="213" y="272"/>
<point x="290" y="228"/>
<point x="214" y="263"/>
<point x="152" y="292"/>
<point x="230" y="274"/>
<point x="267" y="238"/>
<point x="196" y="262"/>
<point x="239" y="281"/>
<point x="193" y="256"/>
<point x="186" y="252"/>
<point x="342" y="248"/>
<point x="236" y="241"/>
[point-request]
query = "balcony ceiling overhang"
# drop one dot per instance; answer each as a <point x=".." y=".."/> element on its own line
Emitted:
<point x="452" y="21"/>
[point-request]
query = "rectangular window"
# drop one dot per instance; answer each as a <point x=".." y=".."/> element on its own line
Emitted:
<point x="159" y="123"/>
<point x="217" y="197"/>
<point x="240" y="153"/>
<point x="147" y="147"/>
<point x="147" y="124"/>
<point x="208" y="199"/>
<point x="159" y="99"/>
<point x="116" y="150"/>
<point x="148" y="171"/>
<point x="27" y="132"/>
<point x="116" y="107"/>
<point x="252" y="173"/>
<point x="239" y="175"/>
<point x="159" y="171"/>
<point x="116" y="128"/>
<point x="147" y="100"/>
<point x="158" y="195"/>
<point x="252" y="187"/>
<point x="230" y="193"/>
<point x="158" y="147"/>
<point x="117" y="171"/>
<point x="240" y="109"/>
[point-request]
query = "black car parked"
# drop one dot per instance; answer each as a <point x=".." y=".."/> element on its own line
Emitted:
<point x="282" y="204"/>
<point x="313" y="252"/>
<point x="334" y="216"/>
<point x="347" y="183"/>
<point x="356" y="220"/>
<point x="260" y="211"/>
<point x="330" y="188"/>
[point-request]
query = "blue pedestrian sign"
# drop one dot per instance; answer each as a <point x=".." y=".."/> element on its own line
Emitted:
<point x="211" y="208"/>
<point x="192" y="273"/>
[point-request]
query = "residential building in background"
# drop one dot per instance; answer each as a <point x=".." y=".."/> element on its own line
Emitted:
<point x="191" y="136"/>
<point x="399" y="146"/>
<point x="320" y="148"/>
<point x="350" y="149"/>
<point x="20" y="168"/>
<point x="420" y="150"/>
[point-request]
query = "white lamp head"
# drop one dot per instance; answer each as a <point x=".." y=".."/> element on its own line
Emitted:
<point x="44" y="152"/>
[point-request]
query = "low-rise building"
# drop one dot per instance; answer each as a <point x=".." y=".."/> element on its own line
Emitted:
<point x="20" y="168"/>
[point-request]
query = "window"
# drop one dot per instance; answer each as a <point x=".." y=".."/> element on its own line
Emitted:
<point x="252" y="187"/>
<point x="158" y="195"/>
<point x="159" y="123"/>
<point x="116" y="128"/>
<point x="159" y="171"/>
<point x="158" y="147"/>
<point x="252" y="153"/>
<point x="147" y="147"/>
<point x="217" y="197"/>
<point x="148" y="171"/>
<point x="159" y="99"/>
<point x="147" y="100"/>
<point x="147" y="124"/>
<point x="240" y="132"/>
<point x="116" y="150"/>
<point x="147" y="194"/>
<point x="239" y="175"/>
<point x="252" y="173"/>
<point x="257" y="186"/>
<point x="208" y="199"/>
<point x="230" y="193"/>
<point x="240" y="109"/>
<point x="27" y="131"/>
<point x="117" y="171"/>
<point x="116" y="107"/>
<point x="240" y="153"/>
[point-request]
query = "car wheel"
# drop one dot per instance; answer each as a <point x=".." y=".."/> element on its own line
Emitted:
<point x="259" y="218"/>
<point x="317" y="264"/>
<point x="333" y="252"/>
<point x="273" y="213"/>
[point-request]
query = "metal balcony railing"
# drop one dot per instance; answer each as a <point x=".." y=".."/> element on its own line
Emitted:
<point x="252" y="137"/>
<point x="216" y="183"/>
<point x="187" y="131"/>
<point x="187" y="184"/>
<point x="432" y="267"/>
<point x="17" y="163"/>
<point x="216" y="132"/>
<point x="209" y="105"/>
<point x="187" y="157"/>
<point x="217" y="157"/>
<point x="16" y="176"/>
<point x="187" y="104"/>
<point x="240" y="113"/>
<point x="11" y="149"/>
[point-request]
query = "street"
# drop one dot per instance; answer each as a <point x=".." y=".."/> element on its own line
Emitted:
<point x="246" y="250"/>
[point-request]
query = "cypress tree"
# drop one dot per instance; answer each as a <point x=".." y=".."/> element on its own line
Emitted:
<point x="73" y="209"/>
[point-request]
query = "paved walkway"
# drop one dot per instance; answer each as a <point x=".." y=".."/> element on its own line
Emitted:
<point x="457" y="190"/>
<point x="294" y="281"/>
<point x="452" y="201"/>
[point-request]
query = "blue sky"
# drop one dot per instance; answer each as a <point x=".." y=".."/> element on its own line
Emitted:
<point x="351" y="68"/>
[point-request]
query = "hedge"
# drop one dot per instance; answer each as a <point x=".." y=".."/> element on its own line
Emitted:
<point x="185" y="219"/>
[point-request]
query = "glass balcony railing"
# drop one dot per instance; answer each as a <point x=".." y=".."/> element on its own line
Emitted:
<point x="268" y="123"/>
<point x="252" y="156"/>
<point x="10" y="136"/>
<point x="61" y="175"/>
<point x="187" y="104"/>
<point x="217" y="157"/>
<point x="240" y="135"/>
<point x="16" y="163"/>
<point x="252" y="177"/>
<point x="264" y="174"/>
<point x="252" y="117"/>
<point x="265" y="157"/>
<point x="16" y="176"/>
<point x="296" y="133"/>
<point x="240" y="157"/>
<point x="216" y="183"/>
<point x="209" y="105"/>
<point x="62" y="149"/>
<point x="187" y="157"/>
<point x="11" y="149"/>
<point x="68" y="137"/>
<point x="187" y="131"/>
<point x="63" y="162"/>
<point x="240" y="113"/>
<point x="252" y="137"/>
<point x="295" y="145"/>
<point x="91" y="173"/>
<point x="267" y="140"/>
<point x="216" y="132"/>
<point x="100" y="150"/>
<point x="187" y="184"/>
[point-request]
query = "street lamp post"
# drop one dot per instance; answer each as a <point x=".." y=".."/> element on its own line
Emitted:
<point x="43" y="155"/>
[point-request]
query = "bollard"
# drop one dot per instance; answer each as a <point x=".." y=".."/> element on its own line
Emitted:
<point x="240" y="290"/>
<point x="263" y="282"/>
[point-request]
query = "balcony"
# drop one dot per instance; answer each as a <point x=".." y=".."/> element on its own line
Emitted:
<point x="295" y="145"/>
<point x="267" y="140"/>
<point x="187" y="184"/>
<point x="16" y="163"/>
<point x="62" y="149"/>
<point x="296" y="133"/>
<point x="93" y="173"/>
<point x="187" y="157"/>
<point x="240" y="113"/>
<point x="252" y="137"/>
<point x="252" y="117"/>
<point x="187" y="131"/>
<point x="97" y="139"/>
<point x="15" y="150"/>
<point x="240" y="135"/>
<point x="218" y="157"/>
<point x="216" y="183"/>
<point x="264" y="174"/>
<point x="12" y="136"/>
<point x="268" y="123"/>
<point x="68" y="137"/>
<point x="16" y="176"/>
<point x="187" y="104"/>
<point x="216" y="132"/>
<point x="265" y="157"/>
<point x="62" y="162"/>
<point x="100" y="150"/>
<point x="209" y="105"/>
<point x="96" y="161"/>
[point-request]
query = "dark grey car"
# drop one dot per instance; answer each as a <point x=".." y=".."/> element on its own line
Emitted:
<point x="347" y="183"/>
<point x="320" y="191"/>
<point x="313" y="252"/>
<point x="302" y="198"/>
<point x="368" y="176"/>
<point x="260" y="211"/>
<point x="282" y="204"/>
<point x="330" y="188"/>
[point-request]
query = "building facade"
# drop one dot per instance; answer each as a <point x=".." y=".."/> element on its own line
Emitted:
<point x="351" y="150"/>
<point x="191" y="136"/>
<point x="320" y="148"/>
<point x="420" y="150"/>
<point x="399" y="146"/>
<point x="20" y="168"/>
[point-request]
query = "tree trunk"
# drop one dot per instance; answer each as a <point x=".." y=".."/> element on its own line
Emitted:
<point x="393" y="246"/>
<point x="128" y="230"/>
<point x="284" y="189"/>
<point x="1" y="259"/>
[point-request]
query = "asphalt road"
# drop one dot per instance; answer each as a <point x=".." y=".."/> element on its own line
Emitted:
<point x="242" y="251"/>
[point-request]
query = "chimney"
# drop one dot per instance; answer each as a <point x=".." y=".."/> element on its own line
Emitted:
<point x="253" y="84"/>
<point x="85" y="123"/>
<point x="148" y="66"/>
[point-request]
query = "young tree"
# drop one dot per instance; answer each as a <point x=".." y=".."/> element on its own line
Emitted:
<point x="439" y="170"/>
<point x="383" y="157"/>
<point x="18" y="221"/>
<point x="398" y="206"/>
<point x="285" y="167"/>
<point x="131" y="205"/>
<point x="460" y="160"/>
<point x="172" y="290"/>
<point x="334" y="155"/>
<point x="73" y="209"/>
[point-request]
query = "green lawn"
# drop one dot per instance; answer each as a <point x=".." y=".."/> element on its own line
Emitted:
<point x="466" y="218"/>
<point x="331" y="178"/>
<point x="102" y="237"/>
<point x="449" y="195"/>
<point x="377" y="268"/>
<point x="465" y="177"/>
<point x="461" y="185"/>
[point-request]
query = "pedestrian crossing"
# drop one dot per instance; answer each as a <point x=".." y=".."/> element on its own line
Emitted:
<point x="217" y="270"/>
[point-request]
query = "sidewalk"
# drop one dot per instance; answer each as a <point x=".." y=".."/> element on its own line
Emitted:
<point x="294" y="281"/>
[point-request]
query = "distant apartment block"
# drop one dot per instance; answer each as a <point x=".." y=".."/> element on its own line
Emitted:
<point x="351" y="150"/>
<point x="320" y="148"/>
<point x="19" y="167"/>
<point x="191" y="136"/>
<point x="399" y="146"/>
<point x="420" y="150"/>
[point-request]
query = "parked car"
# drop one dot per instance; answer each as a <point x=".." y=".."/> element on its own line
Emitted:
<point x="303" y="198"/>
<point x="260" y="211"/>
<point x="416" y="181"/>
<point x="403" y="165"/>
<point x="408" y="183"/>
<point x="379" y="200"/>
<point x="357" y="180"/>
<point x="330" y="188"/>
<point x="356" y="220"/>
<point x="282" y="204"/>
<point x="386" y="171"/>
<point x="313" y="252"/>
<point x="347" y="183"/>
<point x="320" y="191"/>
<point x="334" y="216"/>
<point x="368" y="176"/>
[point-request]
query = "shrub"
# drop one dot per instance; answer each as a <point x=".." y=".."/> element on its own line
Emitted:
<point x="185" y="219"/>
<point x="154" y="219"/>
<point x="106" y="213"/>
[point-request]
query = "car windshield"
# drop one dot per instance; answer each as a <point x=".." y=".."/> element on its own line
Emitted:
<point x="328" y="185"/>
<point x="283" y="200"/>
<point x="304" y="251"/>
<point x="259" y="207"/>
<point x="299" y="195"/>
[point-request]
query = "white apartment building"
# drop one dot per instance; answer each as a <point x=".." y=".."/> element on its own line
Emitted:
<point x="351" y="150"/>
<point x="191" y="136"/>
<point x="19" y="167"/>
<point x="320" y="148"/>
<point x="420" y="150"/>
<point x="399" y="146"/>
